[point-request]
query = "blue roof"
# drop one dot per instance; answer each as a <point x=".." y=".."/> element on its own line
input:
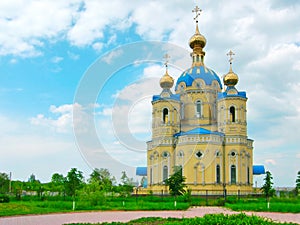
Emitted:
<point x="225" y="94"/>
<point x="141" y="171"/>
<point x="200" y="72"/>
<point x="198" y="130"/>
<point x="172" y="97"/>
<point x="258" y="169"/>
<point x="241" y="94"/>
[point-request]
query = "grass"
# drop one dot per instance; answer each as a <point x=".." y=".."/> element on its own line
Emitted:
<point x="284" y="205"/>
<point x="24" y="208"/>
<point x="55" y="205"/>
<point x="209" y="219"/>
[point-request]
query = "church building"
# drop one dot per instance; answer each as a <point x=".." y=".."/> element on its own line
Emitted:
<point x="200" y="128"/>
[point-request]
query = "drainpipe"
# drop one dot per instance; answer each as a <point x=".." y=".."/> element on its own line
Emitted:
<point x="224" y="169"/>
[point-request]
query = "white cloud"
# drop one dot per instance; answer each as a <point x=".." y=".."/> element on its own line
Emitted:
<point x="92" y="21"/>
<point x="27" y="23"/>
<point x="13" y="61"/>
<point x="57" y="59"/>
<point x="98" y="46"/>
<point x="28" y="149"/>
<point x="73" y="55"/>
<point x="298" y="156"/>
<point x="270" y="161"/>
<point x="62" y="119"/>
<point x="84" y="22"/>
<point x="112" y="56"/>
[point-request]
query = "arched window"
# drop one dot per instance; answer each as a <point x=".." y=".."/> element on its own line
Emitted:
<point x="165" y="115"/>
<point x="218" y="174"/>
<point x="232" y="113"/>
<point x="233" y="174"/>
<point x="182" y="110"/>
<point x="198" y="108"/>
<point x="151" y="178"/>
<point x="180" y="154"/>
<point x="165" y="173"/>
<point x="248" y="175"/>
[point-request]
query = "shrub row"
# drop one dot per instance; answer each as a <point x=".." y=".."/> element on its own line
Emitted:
<point x="210" y="219"/>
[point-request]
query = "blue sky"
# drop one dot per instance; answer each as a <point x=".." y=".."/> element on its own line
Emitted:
<point x="47" y="48"/>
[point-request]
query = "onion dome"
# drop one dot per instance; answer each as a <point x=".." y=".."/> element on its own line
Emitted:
<point x="230" y="79"/>
<point x="197" y="42"/>
<point x="166" y="82"/>
<point x="197" y="39"/>
<point x="197" y="72"/>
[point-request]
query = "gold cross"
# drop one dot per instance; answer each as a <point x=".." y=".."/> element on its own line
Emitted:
<point x="166" y="57"/>
<point x="230" y="54"/>
<point x="197" y="10"/>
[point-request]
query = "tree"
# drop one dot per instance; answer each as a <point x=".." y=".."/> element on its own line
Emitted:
<point x="176" y="182"/>
<point x="125" y="180"/>
<point x="127" y="184"/>
<point x="267" y="188"/>
<point x="34" y="185"/>
<point x="297" y="189"/>
<point x="58" y="179"/>
<point x="17" y="188"/>
<point x="4" y="183"/>
<point x="74" y="180"/>
<point x="58" y="182"/>
<point x="103" y="178"/>
<point x="31" y="179"/>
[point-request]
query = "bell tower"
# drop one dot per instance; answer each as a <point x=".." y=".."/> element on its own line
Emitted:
<point x="232" y="105"/>
<point x="165" y="123"/>
<point x="232" y="121"/>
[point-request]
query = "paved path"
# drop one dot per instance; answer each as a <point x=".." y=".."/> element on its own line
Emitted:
<point x="109" y="216"/>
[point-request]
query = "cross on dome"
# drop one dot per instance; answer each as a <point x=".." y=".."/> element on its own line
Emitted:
<point x="166" y="82"/>
<point x="230" y="54"/>
<point x="166" y="57"/>
<point x="230" y="79"/>
<point x="197" y="10"/>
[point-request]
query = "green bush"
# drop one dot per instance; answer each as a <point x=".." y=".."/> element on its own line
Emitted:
<point x="232" y="199"/>
<point x="210" y="219"/>
<point x="4" y="198"/>
<point x="187" y="196"/>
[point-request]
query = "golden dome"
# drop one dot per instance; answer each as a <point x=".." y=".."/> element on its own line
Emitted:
<point x="197" y="39"/>
<point x="230" y="79"/>
<point x="166" y="82"/>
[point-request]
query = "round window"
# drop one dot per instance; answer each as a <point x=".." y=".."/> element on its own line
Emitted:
<point x="165" y="154"/>
<point x="199" y="154"/>
<point x="233" y="154"/>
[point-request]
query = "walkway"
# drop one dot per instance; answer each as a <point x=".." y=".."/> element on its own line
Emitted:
<point x="109" y="216"/>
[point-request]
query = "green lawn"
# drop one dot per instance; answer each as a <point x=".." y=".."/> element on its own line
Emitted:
<point x="35" y="206"/>
<point x="50" y="206"/>
<point x="286" y="205"/>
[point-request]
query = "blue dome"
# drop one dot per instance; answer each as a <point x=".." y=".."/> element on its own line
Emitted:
<point x="201" y="72"/>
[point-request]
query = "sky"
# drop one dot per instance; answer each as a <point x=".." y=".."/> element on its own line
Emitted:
<point x="77" y="76"/>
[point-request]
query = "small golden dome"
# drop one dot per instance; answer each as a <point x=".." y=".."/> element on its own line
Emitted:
<point x="166" y="82"/>
<point x="230" y="79"/>
<point x="197" y="39"/>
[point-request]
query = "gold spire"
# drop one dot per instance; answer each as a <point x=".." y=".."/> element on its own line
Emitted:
<point x="166" y="82"/>
<point x="230" y="79"/>
<point x="197" y="41"/>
